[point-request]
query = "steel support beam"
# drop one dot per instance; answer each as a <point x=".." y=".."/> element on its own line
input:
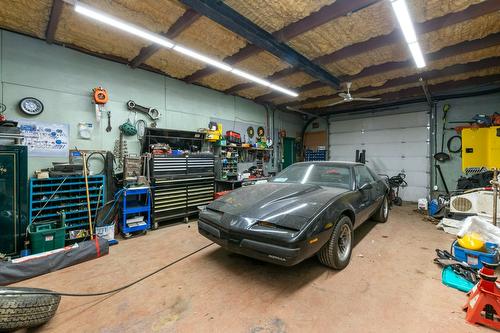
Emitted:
<point x="232" y="20"/>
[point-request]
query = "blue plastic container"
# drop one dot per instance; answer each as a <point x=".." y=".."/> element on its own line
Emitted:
<point x="474" y="258"/>
<point x="433" y="207"/>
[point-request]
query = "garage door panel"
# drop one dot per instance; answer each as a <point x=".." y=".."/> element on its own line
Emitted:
<point x="417" y="119"/>
<point x="401" y="150"/>
<point x="409" y="164"/>
<point x="418" y="134"/>
<point x="393" y="143"/>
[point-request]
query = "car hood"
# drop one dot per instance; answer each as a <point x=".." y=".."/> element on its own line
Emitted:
<point x="286" y="205"/>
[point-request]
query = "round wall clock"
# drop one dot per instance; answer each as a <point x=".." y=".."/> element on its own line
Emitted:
<point x="31" y="106"/>
<point x="250" y="132"/>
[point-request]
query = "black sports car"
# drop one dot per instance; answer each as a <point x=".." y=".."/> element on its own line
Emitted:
<point x="309" y="208"/>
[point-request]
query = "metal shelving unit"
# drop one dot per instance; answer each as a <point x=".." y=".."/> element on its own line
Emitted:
<point x="46" y="203"/>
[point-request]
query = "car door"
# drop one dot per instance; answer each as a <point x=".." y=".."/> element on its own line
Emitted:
<point x="367" y="187"/>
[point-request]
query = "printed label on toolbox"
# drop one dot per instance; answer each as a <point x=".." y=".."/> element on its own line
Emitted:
<point x="49" y="238"/>
<point x="472" y="260"/>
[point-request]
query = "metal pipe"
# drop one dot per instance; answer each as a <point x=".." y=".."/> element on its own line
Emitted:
<point x="494" y="183"/>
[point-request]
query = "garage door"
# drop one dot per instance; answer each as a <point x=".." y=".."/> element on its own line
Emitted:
<point x="393" y="144"/>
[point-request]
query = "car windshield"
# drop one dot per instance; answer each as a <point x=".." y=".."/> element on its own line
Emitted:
<point x="319" y="174"/>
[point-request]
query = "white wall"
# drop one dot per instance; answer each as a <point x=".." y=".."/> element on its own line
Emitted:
<point x="63" y="79"/>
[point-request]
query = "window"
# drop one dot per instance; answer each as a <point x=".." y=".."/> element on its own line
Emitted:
<point x="363" y="176"/>
<point x="320" y="174"/>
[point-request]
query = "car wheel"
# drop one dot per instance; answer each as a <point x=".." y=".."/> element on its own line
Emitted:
<point x="382" y="213"/>
<point x="20" y="309"/>
<point x="336" y="253"/>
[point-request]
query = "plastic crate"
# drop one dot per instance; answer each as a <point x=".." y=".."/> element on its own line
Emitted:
<point x="474" y="258"/>
<point x="46" y="236"/>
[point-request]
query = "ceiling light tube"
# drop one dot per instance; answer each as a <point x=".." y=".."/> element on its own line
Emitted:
<point x="283" y="90"/>
<point x="201" y="57"/>
<point x="165" y="42"/>
<point x="404" y="19"/>
<point x="251" y="77"/>
<point x="122" y="25"/>
<point x="417" y="54"/>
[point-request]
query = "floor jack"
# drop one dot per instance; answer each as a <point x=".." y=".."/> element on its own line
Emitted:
<point x="483" y="305"/>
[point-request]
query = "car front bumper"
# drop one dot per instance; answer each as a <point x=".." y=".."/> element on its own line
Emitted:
<point x="236" y="242"/>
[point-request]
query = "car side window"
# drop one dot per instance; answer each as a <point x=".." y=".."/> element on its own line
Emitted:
<point x="363" y="176"/>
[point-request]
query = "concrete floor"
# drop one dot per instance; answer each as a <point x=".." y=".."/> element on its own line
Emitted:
<point x="391" y="285"/>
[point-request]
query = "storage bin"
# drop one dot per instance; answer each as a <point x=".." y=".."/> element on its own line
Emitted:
<point x="474" y="258"/>
<point x="46" y="236"/>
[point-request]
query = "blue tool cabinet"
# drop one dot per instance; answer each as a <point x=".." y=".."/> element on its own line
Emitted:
<point x="135" y="204"/>
<point x="71" y="198"/>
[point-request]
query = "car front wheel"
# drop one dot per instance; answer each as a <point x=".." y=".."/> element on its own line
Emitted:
<point x="336" y="253"/>
<point x="382" y="213"/>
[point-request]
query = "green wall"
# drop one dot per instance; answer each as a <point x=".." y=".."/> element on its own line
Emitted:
<point x="63" y="79"/>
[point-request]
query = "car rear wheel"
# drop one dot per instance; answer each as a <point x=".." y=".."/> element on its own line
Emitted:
<point x="336" y="253"/>
<point x="382" y="213"/>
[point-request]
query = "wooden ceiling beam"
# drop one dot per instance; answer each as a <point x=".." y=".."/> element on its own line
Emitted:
<point x="450" y="51"/>
<point x="182" y="23"/>
<point x="469" y="13"/>
<point x="405" y="94"/>
<point x="325" y="14"/>
<point x="239" y="56"/>
<point x="55" y="15"/>
<point x="429" y="75"/>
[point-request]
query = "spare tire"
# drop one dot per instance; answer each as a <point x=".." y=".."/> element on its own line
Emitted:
<point x="19" y="308"/>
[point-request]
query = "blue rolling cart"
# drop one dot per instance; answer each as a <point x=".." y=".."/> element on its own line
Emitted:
<point x="135" y="210"/>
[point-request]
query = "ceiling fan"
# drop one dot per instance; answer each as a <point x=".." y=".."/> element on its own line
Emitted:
<point x="347" y="97"/>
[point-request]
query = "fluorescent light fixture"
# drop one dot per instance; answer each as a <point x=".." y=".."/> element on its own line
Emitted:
<point x="158" y="39"/>
<point x="403" y="15"/>
<point x="201" y="57"/>
<point x="404" y="19"/>
<point x="122" y="25"/>
<point x="251" y="77"/>
<point x="283" y="90"/>
<point x="417" y="54"/>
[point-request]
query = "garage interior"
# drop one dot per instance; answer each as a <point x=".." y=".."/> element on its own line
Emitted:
<point x="126" y="126"/>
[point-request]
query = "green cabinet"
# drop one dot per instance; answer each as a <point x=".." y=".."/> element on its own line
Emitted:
<point x="13" y="198"/>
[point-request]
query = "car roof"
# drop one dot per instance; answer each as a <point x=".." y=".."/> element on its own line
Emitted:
<point x="333" y="163"/>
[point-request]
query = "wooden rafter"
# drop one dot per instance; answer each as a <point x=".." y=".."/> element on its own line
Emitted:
<point x="182" y="23"/>
<point x="55" y="15"/>
<point x="469" y="13"/>
<point x="404" y="95"/>
<point x="429" y="75"/>
<point x="325" y="14"/>
<point x="453" y="50"/>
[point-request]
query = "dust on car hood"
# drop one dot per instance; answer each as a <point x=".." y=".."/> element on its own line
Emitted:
<point x="285" y="204"/>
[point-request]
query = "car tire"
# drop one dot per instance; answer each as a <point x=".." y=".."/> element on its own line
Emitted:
<point x="382" y="213"/>
<point x="18" y="309"/>
<point x="334" y="254"/>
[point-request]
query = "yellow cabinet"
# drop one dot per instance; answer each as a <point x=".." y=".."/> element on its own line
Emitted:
<point x="480" y="148"/>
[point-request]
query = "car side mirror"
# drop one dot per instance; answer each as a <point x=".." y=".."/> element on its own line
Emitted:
<point x="365" y="186"/>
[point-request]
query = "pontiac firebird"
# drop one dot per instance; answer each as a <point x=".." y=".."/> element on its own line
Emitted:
<point x="310" y="208"/>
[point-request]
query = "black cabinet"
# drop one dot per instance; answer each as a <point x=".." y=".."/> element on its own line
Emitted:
<point x="13" y="198"/>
